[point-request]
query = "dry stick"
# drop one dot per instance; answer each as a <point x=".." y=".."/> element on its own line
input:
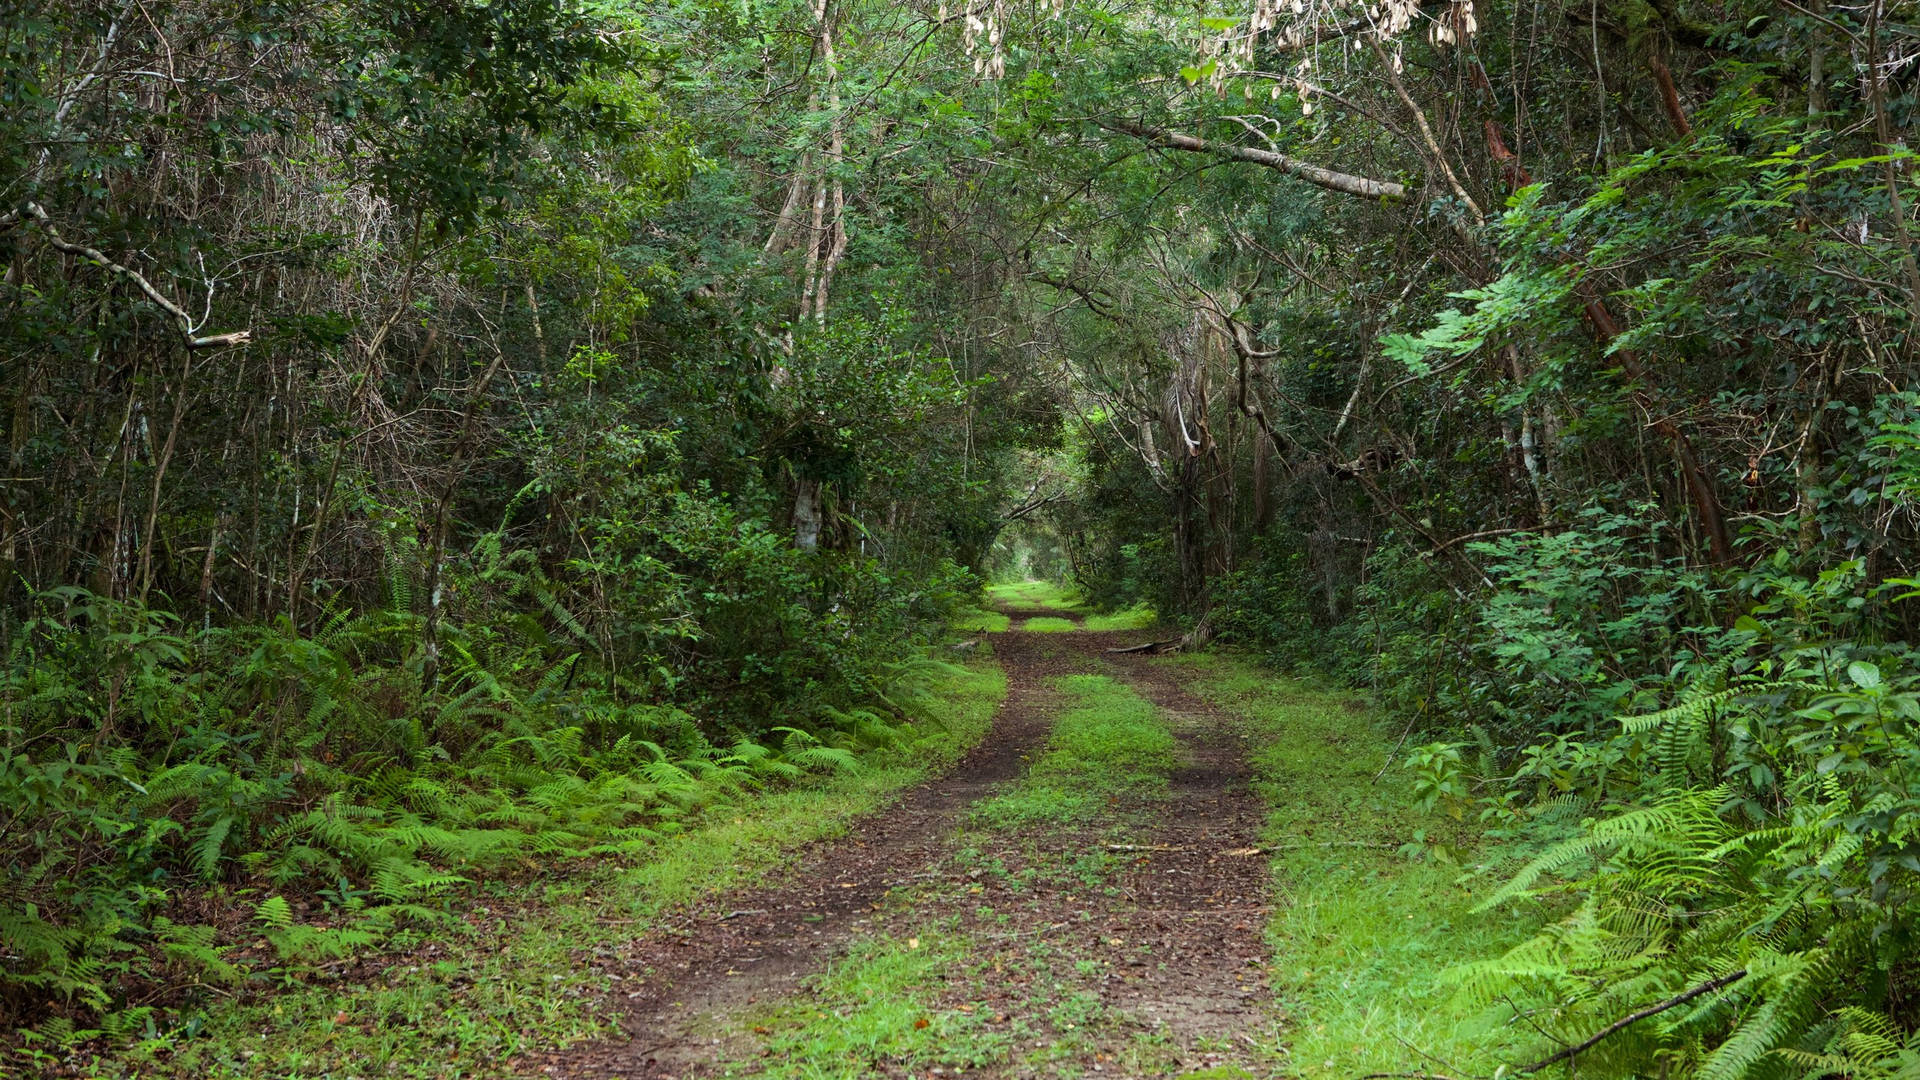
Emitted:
<point x="1426" y="132"/>
<point x="159" y="475"/>
<point x="184" y="322"/>
<point x="430" y="666"/>
<point x="1707" y="987"/>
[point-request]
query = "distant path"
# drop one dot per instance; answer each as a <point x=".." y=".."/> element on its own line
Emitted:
<point x="1170" y="945"/>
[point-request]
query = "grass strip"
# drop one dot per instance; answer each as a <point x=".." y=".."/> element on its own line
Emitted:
<point x="1045" y="595"/>
<point x="1138" y="617"/>
<point x="876" y="1010"/>
<point x="980" y="620"/>
<point x="1109" y="743"/>
<point x="1366" y="919"/>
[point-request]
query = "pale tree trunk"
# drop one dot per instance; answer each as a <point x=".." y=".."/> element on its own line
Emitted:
<point x="806" y="515"/>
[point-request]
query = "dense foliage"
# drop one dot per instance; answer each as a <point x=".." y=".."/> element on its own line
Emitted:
<point x="440" y="431"/>
<point x="421" y="463"/>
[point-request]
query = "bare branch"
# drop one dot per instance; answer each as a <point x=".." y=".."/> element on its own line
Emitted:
<point x="183" y="322"/>
<point x="1344" y="183"/>
<point x="1570" y="1052"/>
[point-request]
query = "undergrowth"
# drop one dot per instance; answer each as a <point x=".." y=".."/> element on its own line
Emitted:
<point x="188" y="810"/>
<point x="522" y="967"/>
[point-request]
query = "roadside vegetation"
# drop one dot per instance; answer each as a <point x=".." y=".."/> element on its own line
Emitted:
<point x="510" y="963"/>
<point x="1375" y="898"/>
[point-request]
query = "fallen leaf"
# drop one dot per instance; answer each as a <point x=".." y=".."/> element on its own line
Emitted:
<point x="920" y="1023"/>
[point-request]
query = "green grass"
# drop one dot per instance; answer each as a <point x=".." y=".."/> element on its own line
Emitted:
<point x="1361" y="931"/>
<point x="1140" y="616"/>
<point x="979" y="620"/>
<point x="1109" y="743"/>
<point x="1049" y="624"/>
<point x="878" y="1006"/>
<point x="502" y="972"/>
<point x="1035" y="594"/>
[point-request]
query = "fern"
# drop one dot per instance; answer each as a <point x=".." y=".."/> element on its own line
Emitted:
<point x="274" y="913"/>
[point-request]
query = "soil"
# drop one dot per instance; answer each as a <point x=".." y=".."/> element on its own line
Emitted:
<point x="1172" y="947"/>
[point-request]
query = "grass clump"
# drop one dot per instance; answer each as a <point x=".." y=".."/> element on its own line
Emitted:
<point x="878" y="1010"/>
<point x="980" y="620"/>
<point x="1049" y="624"/>
<point x="1109" y="744"/>
<point x="1140" y="616"/>
<point x="1368" y="917"/>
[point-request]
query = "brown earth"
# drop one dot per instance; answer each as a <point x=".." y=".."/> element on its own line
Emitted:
<point x="1170" y="943"/>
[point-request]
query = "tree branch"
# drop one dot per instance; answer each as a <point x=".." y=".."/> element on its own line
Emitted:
<point x="1344" y="183"/>
<point x="183" y="322"/>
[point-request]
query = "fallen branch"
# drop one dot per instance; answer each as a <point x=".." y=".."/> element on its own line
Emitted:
<point x="1145" y="847"/>
<point x="37" y="214"/>
<point x="1707" y="987"/>
<point x="1169" y="645"/>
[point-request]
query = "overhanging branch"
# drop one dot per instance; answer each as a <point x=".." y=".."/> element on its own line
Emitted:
<point x="1344" y="183"/>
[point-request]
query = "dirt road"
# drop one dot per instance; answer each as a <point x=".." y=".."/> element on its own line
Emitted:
<point x="1007" y="919"/>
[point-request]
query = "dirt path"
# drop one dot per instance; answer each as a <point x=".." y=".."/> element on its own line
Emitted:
<point x="1148" y="923"/>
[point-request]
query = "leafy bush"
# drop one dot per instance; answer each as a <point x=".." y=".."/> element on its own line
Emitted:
<point x="1744" y="882"/>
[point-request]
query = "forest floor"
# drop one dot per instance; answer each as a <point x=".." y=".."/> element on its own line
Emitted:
<point x="1097" y="864"/>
